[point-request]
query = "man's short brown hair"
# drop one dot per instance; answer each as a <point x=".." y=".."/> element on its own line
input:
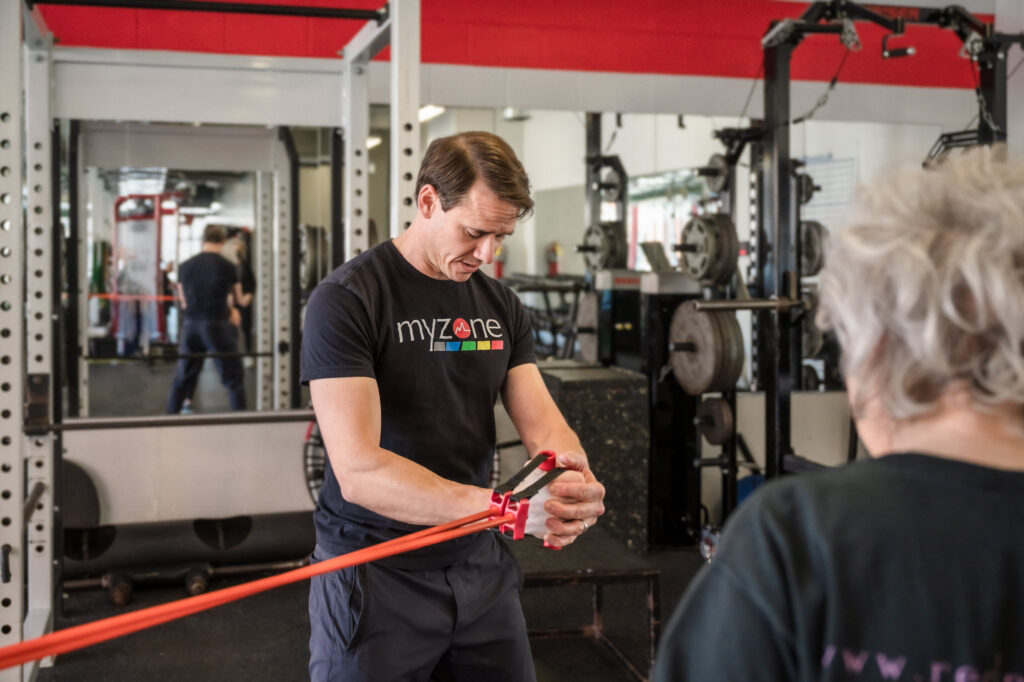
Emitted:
<point x="214" y="234"/>
<point x="452" y="164"/>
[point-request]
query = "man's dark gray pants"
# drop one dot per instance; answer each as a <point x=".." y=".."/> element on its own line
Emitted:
<point x="463" y="622"/>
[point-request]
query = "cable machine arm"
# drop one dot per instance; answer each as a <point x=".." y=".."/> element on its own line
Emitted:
<point x="780" y="273"/>
<point x="838" y="10"/>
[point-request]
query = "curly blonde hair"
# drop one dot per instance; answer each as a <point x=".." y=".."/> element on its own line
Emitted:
<point x="925" y="287"/>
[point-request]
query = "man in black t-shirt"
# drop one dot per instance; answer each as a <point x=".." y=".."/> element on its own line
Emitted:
<point x="209" y="291"/>
<point x="406" y="349"/>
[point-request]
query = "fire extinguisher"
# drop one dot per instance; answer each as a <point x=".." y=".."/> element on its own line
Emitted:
<point x="499" y="262"/>
<point x="552" y="254"/>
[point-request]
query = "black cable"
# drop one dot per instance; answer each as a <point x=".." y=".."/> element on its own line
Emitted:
<point x="977" y="91"/>
<point x="1020" y="62"/>
<point x="821" y="100"/>
<point x="824" y="97"/>
<point x="750" y="95"/>
<point x="819" y="104"/>
<point x="982" y="108"/>
<point x="611" y="141"/>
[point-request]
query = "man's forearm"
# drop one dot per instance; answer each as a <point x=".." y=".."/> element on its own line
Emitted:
<point x="558" y="437"/>
<point x="397" y="488"/>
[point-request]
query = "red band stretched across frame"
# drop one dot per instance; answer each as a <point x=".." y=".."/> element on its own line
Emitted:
<point x="98" y="631"/>
<point x="132" y="297"/>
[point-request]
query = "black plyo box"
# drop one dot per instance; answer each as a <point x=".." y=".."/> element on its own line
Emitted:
<point x="608" y="408"/>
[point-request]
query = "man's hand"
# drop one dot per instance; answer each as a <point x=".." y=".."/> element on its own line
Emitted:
<point x="575" y="504"/>
<point x="235" y="317"/>
<point x="537" y="521"/>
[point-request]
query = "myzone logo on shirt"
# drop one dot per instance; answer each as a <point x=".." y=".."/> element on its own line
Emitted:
<point x="446" y="334"/>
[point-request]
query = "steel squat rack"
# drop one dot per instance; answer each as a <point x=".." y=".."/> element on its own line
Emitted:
<point x="75" y="86"/>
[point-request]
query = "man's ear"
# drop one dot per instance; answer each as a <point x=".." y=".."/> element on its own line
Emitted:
<point x="428" y="201"/>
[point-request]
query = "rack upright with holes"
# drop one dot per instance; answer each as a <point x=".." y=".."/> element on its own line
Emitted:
<point x="13" y="443"/>
<point x="42" y="312"/>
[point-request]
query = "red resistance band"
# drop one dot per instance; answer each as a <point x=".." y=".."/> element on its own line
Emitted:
<point x="132" y="297"/>
<point x="509" y="511"/>
<point x="98" y="631"/>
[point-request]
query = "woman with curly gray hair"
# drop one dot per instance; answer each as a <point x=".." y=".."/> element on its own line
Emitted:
<point x="908" y="565"/>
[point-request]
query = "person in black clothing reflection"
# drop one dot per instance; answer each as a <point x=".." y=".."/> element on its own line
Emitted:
<point x="247" y="278"/>
<point x="210" y="295"/>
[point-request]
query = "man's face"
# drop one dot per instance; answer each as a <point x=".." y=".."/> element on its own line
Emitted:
<point x="466" y="235"/>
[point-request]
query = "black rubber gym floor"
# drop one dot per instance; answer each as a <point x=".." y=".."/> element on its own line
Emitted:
<point x="264" y="637"/>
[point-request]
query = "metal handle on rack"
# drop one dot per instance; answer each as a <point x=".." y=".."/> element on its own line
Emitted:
<point x="5" y="563"/>
<point x="33" y="498"/>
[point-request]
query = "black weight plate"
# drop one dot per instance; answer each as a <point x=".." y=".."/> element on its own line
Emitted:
<point x="695" y="369"/>
<point x="716" y="420"/>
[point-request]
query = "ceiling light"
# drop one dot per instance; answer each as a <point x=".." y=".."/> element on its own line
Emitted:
<point x="515" y="114"/>
<point x="195" y="210"/>
<point x="373" y="141"/>
<point x="430" y="111"/>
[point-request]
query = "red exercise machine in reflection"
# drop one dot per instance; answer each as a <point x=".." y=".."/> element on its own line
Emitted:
<point x="140" y="291"/>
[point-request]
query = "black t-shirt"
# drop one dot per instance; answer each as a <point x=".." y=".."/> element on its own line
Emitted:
<point x="907" y="567"/>
<point x="207" y="279"/>
<point x="440" y="351"/>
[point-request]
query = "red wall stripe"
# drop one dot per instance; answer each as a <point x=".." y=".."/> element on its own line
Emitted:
<point x="685" y="37"/>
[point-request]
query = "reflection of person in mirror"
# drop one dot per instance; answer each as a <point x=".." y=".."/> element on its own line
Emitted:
<point x="247" y="278"/>
<point x="232" y="249"/>
<point x="408" y="422"/>
<point x="906" y="565"/>
<point x="167" y="293"/>
<point x="210" y="294"/>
